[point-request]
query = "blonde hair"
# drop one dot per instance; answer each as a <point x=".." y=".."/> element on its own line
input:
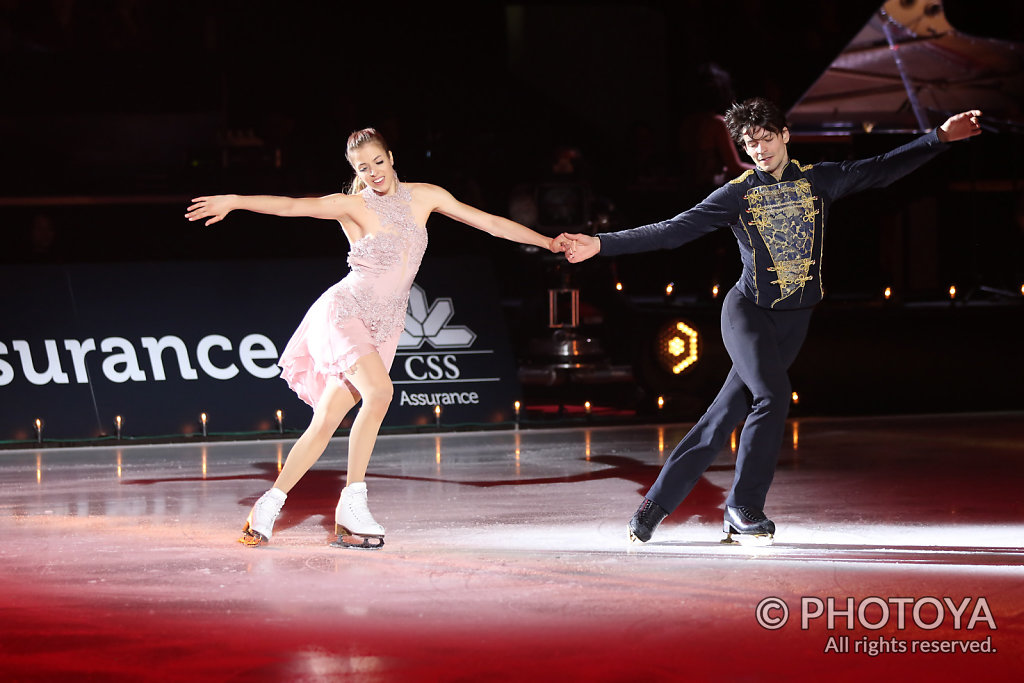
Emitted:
<point x="355" y="141"/>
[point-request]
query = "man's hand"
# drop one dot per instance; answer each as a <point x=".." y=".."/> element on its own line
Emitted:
<point x="578" y="247"/>
<point x="960" y="127"/>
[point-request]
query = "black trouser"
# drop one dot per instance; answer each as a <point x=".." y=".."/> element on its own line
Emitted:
<point x="762" y="344"/>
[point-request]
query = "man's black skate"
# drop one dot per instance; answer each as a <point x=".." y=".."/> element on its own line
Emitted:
<point x="645" y="520"/>
<point x="749" y="524"/>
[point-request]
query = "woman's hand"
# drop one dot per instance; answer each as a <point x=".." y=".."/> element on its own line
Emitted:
<point x="215" y="208"/>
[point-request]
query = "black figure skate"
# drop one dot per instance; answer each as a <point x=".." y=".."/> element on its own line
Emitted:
<point x="645" y="520"/>
<point x="747" y="526"/>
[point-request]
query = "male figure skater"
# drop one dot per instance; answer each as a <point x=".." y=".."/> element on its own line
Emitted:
<point x="778" y="212"/>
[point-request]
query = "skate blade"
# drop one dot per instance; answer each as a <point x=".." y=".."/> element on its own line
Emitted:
<point x="342" y="530"/>
<point x="749" y="540"/>
<point x="359" y="542"/>
<point x="633" y="538"/>
<point x="251" y="538"/>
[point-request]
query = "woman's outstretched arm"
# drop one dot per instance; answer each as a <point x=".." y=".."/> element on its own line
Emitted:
<point x="215" y="207"/>
<point x="444" y="203"/>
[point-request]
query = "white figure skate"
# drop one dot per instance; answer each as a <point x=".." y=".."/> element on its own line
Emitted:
<point x="259" y="526"/>
<point x="353" y="522"/>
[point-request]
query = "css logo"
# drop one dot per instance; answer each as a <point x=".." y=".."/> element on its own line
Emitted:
<point x="423" y="323"/>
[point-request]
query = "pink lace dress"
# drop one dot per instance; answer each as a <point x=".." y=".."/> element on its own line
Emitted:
<point x="365" y="312"/>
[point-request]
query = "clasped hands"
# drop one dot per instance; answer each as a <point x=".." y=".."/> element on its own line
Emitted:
<point x="576" y="247"/>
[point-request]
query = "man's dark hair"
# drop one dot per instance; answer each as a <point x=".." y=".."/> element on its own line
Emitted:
<point x="756" y="112"/>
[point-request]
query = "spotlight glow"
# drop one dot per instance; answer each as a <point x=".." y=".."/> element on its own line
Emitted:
<point x="677" y="347"/>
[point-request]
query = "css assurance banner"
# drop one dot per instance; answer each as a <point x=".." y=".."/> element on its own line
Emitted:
<point x="161" y="344"/>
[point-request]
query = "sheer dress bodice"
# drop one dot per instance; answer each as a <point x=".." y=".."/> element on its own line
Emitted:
<point x="383" y="266"/>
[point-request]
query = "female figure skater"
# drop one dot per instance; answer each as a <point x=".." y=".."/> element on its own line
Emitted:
<point x="343" y="348"/>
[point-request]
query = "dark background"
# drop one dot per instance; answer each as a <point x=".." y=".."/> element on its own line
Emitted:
<point x="116" y="112"/>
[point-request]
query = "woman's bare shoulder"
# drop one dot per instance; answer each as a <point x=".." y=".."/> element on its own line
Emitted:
<point x="428" y="194"/>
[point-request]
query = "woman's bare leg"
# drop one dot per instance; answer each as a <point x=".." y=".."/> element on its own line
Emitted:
<point x="337" y="399"/>
<point x="371" y="380"/>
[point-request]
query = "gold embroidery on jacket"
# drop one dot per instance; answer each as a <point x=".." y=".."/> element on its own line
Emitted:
<point x="741" y="177"/>
<point x="783" y="214"/>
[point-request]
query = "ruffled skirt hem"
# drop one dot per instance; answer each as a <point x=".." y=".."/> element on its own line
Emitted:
<point x="321" y="349"/>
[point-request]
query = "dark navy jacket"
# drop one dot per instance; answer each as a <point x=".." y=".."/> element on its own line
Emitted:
<point x="780" y="224"/>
